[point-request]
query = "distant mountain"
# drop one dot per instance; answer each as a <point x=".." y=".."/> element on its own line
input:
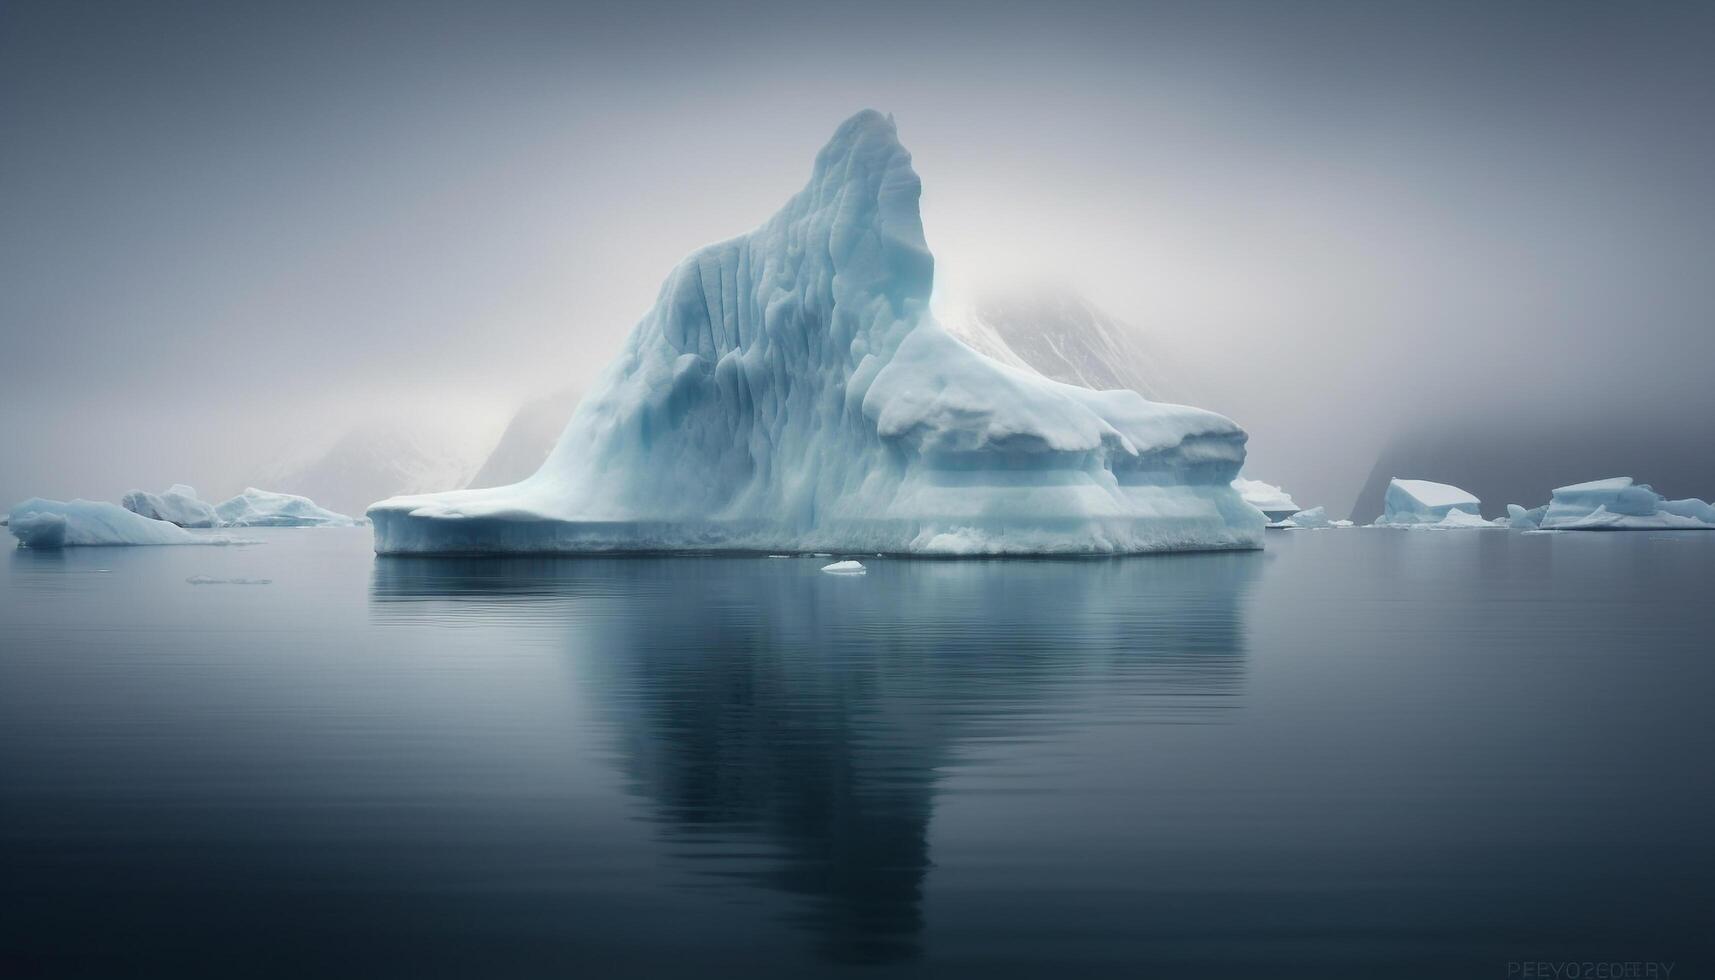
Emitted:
<point x="528" y="439"/>
<point x="1059" y="334"/>
<point x="373" y="462"/>
<point x="1507" y="460"/>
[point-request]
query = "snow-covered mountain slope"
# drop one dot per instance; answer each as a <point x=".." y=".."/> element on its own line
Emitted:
<point x="1061" y="335"/>
<point x="376" y="460"/>
<point x="1501" y="457"/>
<point x="528" y="439"/>
<point x="789" y="390"/>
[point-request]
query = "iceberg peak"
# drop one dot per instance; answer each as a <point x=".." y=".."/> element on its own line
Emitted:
<point x="789" y="390"/>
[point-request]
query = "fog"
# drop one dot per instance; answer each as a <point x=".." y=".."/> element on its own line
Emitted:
<point x="228" y="233"/>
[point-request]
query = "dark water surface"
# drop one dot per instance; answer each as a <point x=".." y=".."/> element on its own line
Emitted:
<point x="1362" y="753"/>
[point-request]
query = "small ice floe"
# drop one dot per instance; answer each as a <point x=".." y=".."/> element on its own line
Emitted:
<point x="844" y="568"/>
<point x="821" y="554"/>
<point x="779" y="556"/>
<point x="207" y="580"/>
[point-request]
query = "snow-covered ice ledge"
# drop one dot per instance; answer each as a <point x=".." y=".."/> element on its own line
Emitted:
<point x="789" y="391"/>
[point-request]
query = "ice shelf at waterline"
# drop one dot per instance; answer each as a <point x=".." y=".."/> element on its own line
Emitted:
<point x="789" y="391"/>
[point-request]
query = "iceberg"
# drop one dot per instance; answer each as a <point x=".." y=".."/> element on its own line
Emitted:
<point x="1417" y="503"/>
<point x="1618" y="504"/>
<point x="1525" y="520"/>
<point x="48" y="524"/>
<point x="265" y="508"/>
<point x="1315" y="517"/>
<point x="178" y="505"/>
<point x="789" y="391"/>
<point x="845" y="568"/>
<point x="1276" y="504"/>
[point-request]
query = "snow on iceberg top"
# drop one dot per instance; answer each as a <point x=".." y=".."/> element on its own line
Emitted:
<point x="1265" y="497"/>
<point x="1612" y="484"/>
<point x="1431" y="495"/>
<point x="790" y="391"/>
<point x="1411" y="503"/>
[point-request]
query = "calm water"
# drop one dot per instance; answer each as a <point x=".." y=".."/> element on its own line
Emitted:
<point x="1362" y="753"/>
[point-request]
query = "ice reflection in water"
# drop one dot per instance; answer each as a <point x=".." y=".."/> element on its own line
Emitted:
<point x="788" y="729"/>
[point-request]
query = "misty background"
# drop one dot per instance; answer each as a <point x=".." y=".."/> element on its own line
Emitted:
<point x="233" y="235"/>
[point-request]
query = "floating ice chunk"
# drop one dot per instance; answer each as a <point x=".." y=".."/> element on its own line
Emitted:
<point x="1464" y="519"/>
<point x="1314" y="519"/>
<point x="178" y="505"/>
<point x="1275" y="503"/>
<point x="790" y="391"/>
<point x="1619" y="504"/>
<point x="265" y="508"/>
<point x="845" y="568"/>
<point x="45" y="524"/>
<point x="1525" y="520"/>
<point x="1414" y="502"/>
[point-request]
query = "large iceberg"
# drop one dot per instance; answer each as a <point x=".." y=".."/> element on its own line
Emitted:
<point x="1618" y="504"/>
<point x="1420" y="503"/>
<point x="178" y="505"/>
<point x="46" y="524"/>
<point x="789" y="391"/>
<point x="265" y="508"/>
<point x="1275" y="503"/>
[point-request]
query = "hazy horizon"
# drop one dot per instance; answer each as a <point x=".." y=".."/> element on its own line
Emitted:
<point x="234" y="232"/>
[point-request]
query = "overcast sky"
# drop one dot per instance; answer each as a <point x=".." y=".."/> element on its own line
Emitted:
<point x="229" y="230"/>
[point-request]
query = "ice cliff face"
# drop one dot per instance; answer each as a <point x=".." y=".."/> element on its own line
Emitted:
<point x="790" y="391"/>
